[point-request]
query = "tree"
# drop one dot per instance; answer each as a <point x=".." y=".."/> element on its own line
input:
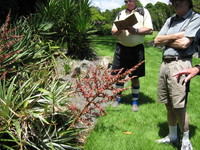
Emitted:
<point x="159" y="13"/>
<point x="97" y="17"/>
<point x="196" y="4"/>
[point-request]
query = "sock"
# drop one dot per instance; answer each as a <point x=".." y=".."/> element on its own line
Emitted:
<point x="119" y="95"/>
<point x="185" y="136"/>
<point x="135" y="94"/>
<point x="173" y="132"/>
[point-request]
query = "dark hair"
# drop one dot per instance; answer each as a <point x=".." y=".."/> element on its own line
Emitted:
<point x="190" y="3"/>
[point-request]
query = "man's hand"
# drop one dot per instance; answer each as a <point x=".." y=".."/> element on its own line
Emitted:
<point x="131" y="30"/>
<point x="182" y="43"/>
<point x="141" y="31"/>
<point x="163" y="40"/>
<point x="179" y="35"/>
<point x="116" y="32"/>
<point x="190" y="73"/>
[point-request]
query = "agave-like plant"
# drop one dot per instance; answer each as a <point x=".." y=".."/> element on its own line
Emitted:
<point x="19" y="47"/>
<point x="14" y="100"/>
<point x="34" y="116"/>
<point x="52" y="130"/>
<point x="35" y="51"/>
<point x="53" y="96"/>
<point x="7" y="40"/>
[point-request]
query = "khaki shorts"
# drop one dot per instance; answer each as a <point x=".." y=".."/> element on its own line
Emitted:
<point x="169" y="90"/>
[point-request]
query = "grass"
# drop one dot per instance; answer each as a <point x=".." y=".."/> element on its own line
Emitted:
<point x="104" y="45"/>
<point x="122" y="129"/>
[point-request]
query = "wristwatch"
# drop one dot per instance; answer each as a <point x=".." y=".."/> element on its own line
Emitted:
<point x="135" y="30"/>
<point x="198" y="66"/>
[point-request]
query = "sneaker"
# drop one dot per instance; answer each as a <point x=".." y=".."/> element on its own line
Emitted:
<point x="116" y="104"/>
<point x="166" y="140"/>
<point x="186" y="146"/>
<point x="135" y="107"/>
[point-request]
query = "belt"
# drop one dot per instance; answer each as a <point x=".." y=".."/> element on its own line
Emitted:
<point x="170" y="58"/>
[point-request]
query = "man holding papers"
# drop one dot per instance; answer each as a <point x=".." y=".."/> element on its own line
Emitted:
<point x="129" y="48"/>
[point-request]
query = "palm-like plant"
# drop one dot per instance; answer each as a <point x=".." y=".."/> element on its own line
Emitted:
<point x="42" y="23"/>
<point x="79" y="33"/>
<point x="69" y="22"/>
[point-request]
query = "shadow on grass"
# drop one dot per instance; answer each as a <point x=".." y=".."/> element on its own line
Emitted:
<point x="143" y="99"/>
<point x="164" y="130"/>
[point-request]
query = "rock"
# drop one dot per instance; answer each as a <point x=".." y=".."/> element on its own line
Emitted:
<point x="83" y="67"/>
<point x="106" y="62"/>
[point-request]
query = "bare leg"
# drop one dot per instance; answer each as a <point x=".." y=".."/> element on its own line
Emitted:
<point x="183" y="119"/>
<point x="135" y="82"/>
<point x="171" y="115"/>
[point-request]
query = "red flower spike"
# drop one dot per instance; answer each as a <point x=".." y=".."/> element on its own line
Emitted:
<point x="93" y="89"/>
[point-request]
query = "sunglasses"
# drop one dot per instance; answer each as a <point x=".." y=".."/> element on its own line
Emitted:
<point x="128" y="1"/>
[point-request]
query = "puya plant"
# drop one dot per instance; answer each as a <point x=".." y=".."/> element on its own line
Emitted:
<point x="93" y="89"/>
<point x="7" y="40"/>
<point x="33" y="115"/>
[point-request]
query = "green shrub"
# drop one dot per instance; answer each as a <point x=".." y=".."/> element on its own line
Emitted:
<point x="104" y="29"/>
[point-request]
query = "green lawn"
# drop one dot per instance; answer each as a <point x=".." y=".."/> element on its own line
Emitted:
<point x="122" y="129"/>
<point x="104" y="45"/>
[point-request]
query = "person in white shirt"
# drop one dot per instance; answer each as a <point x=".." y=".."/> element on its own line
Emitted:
<point x="130" y="49"/>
